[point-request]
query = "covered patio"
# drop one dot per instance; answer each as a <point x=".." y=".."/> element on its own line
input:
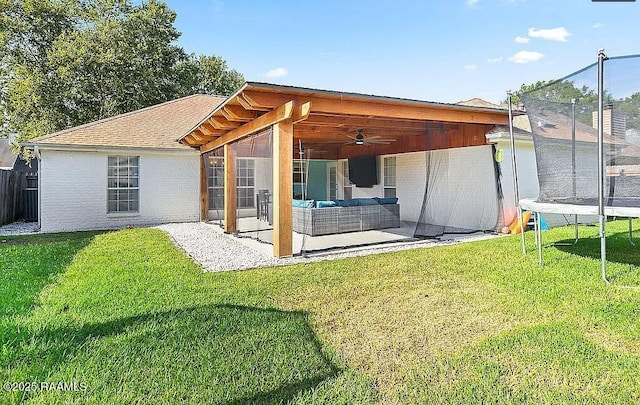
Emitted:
<point x="280" y="127"/>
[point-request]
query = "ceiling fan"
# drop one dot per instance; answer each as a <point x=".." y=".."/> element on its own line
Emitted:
<point x="359" y="139"/>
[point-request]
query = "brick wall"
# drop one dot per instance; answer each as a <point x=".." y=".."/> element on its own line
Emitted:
<point x="73" y="190"/>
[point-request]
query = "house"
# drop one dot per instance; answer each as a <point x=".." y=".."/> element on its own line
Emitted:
<point x="123" y="170"/>
<point x="244" y="157"/>
<point x="556" y="128"/>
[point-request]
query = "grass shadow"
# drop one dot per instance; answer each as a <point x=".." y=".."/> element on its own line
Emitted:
<point x="619" y="250"/>
<point x="212" y="353"/>
<point x="27" y="264"/>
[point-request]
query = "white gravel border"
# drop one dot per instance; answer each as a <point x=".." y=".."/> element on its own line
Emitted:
<point x="216" y="251"/>
<point x="19" y="228"/>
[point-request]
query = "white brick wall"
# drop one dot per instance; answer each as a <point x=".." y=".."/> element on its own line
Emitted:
<point x="410" y="184"/>
<point x="73" y="190"/>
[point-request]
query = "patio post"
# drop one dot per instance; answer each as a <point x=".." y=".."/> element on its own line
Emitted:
<point x="230" y="190"/>
<point x="204" y="190"/>
<point x="283" y="188"/>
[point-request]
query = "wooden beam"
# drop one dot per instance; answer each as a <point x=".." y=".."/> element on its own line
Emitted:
<point x="335" y="133"/>
<point x="204" y="190"/>
<point x="208" y="129"/>
<point x="222" y="123"/>
<point x="190" y="140"/>
<point x="281" y="113"/>
<point x="333" y="121"/>
<point x="380" y="108"/>
<point x="301" y="112"/>
<point x="282" y="188"/>
<point x="230" y="190"/>
<point x="236" y="113"/>
<point x="197" y="136"/>
<point x="249" y="104"/>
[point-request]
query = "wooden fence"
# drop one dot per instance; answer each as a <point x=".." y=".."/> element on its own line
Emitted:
<point x="12" y="194"/>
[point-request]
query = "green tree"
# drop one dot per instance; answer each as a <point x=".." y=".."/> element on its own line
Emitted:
<point x="630" y="108"/>
<point x="553" y="91"/>
<point x="69" y="62"/>
<point x="209" y="75"/>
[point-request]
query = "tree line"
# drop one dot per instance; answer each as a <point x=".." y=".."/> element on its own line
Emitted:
<point x="64" y="63"/>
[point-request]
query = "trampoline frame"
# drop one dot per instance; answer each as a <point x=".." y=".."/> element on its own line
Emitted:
<point x="602" y="211"/>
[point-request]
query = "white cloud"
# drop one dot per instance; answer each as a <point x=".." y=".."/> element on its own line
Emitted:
<point x="472" y="2"/>
<point x="277" y="72"/>
<point x="495" y="60"/>
<point x="525" y="57"/>
<point x="470" y="67"/>
<point x="522" y="40"/>
<point x="559" y="34"/>
<point x="598" y="25"/>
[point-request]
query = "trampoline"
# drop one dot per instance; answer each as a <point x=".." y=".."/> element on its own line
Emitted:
<point x="587" y="144"/>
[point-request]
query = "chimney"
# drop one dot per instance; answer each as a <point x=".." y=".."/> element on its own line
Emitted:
<point x="613" y="122"/>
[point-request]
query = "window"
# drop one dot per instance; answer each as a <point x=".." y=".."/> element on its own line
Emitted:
<point x="333" y="182"/>
<point x="389" y="178"/>
<point x="123" y="184"/>
<point x="246" y="183"/>
<point x="299" y="172"/>
<point x="216" y="182"/>
<point x="347" y="186"/>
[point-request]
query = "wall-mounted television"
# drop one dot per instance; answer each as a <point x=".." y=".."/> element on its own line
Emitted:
<point x="363" y="171"/>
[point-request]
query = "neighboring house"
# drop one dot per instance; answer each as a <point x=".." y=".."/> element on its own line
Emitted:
<point x="197" y="158"/>
<point x="525" y="157"/>
<point x="555" y="127"/>
<point x="123" y="170"/>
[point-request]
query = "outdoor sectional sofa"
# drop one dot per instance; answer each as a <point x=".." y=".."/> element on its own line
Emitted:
<point x="359" y="214"/>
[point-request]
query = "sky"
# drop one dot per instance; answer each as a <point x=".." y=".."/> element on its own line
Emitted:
<point x="444" y="51"/>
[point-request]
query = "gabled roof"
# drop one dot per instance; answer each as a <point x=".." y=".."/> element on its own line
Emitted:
<point x="157" y="126"/>
<point x="330" y="117"/>
<point x="504" y="129"/>
<point x="478" y="102"/>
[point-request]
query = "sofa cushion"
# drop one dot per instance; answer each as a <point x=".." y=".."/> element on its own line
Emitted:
<point x="325" y="204"/>
<point x="303" y="203"/>
<point x="387" y="200"/>
<point x="367" y="201"/>
<point x="347" y="203"/>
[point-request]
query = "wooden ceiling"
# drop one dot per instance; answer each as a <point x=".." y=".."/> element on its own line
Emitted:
<point x="325" y="121"/>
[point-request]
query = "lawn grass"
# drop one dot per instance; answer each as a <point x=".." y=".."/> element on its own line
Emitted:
<point x="134" y="319"/>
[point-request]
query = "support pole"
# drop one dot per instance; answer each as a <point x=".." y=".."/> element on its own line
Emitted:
<point x="514" y="171"/>
<point x="204" y="189"/>
<point x="601" y="165"/>
<point x="230" y="190"/>
<point x="539" y="238"/>
<point x="283" y="188"/>
<point x="573" y="150"/>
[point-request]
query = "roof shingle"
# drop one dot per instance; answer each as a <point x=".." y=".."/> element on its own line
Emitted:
<point x="158" y="126"/>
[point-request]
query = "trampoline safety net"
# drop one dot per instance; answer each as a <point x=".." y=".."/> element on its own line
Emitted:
<point x="564" y="123"/>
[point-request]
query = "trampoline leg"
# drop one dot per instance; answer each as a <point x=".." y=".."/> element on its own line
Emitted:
<point x="603" y="249"/>
<point x="539" y="238"/>
<point x="631" y="231"/>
